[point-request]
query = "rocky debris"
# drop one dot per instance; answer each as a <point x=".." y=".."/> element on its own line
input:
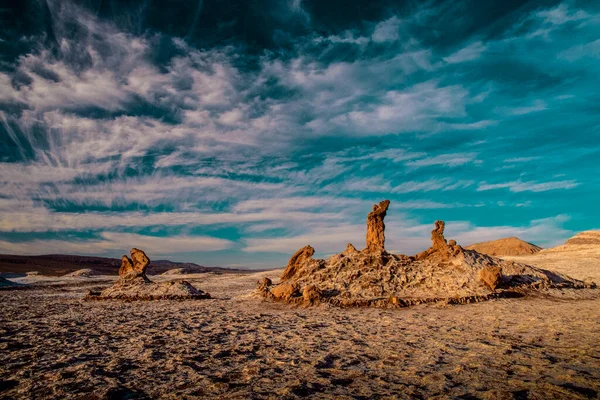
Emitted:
<point x="376" y="227"/>
<point x="445" y="272"/>
<point x="133" y="284"/>
<point x="512" y="246"/>
<point x="298" y="259"/>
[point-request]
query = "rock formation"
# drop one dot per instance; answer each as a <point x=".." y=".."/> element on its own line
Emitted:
<point x="376" y="227"/>
<point x="373" y="277"/>
<point x="296" y="261"/>
<point x="135" y="267"/>
<point x="133" y="284"/>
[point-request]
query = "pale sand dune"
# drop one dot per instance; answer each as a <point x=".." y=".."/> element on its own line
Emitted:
<point x="236" y="346"/>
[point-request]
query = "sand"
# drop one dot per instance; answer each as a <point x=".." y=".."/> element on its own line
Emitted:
<point x="53" y="344"/>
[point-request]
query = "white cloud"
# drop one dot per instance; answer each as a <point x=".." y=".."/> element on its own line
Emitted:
<point x="520" y="186"/>
<point x="469" y="53"/>
<point x="387" y="31"/>
<point x="112" y="241"/>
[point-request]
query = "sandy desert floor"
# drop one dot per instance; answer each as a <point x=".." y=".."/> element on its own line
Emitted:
<point x="53" y="344"/>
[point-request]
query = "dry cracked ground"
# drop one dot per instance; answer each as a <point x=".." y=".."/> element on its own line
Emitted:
<point x="53" y="344"/>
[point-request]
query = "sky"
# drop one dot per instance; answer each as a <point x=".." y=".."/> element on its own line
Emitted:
<point x="235" y="132"/>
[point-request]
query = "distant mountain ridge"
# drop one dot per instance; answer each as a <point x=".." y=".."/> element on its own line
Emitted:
<point x="512" y="246"/>
<point x="62" y="264"/>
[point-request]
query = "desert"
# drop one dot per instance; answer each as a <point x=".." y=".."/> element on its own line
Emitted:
<point x="84" y="335"/>
<point x="299" y="199"/>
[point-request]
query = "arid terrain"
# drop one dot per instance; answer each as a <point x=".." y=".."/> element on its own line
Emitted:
<point x="56" y="345"/>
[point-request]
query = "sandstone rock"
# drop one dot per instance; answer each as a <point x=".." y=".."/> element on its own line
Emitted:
<point x="297" y="260"/>
<point x="311" y="295"/>
<point x="140" y="261"/>
<point x="126" y="267"/>
<point x="445" y="273"/>
<point x="439" y="242"/>
<point x="376" y="227"/>
<point x="350" y="249"/>
<point x="491" y="276"/>
<point x="284" y="291"/>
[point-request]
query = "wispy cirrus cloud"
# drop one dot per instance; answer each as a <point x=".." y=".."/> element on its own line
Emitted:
<point x="266" y="140"/>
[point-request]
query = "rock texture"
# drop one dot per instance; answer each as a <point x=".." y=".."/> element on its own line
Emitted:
<point x="299" y="258"/>
<point x="376" y="227"/>
<point x="512" y="246"/>
<point x="373" y="277"/>
<point x="133" y="284"/>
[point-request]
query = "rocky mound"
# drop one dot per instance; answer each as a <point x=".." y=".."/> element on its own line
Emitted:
<point x="81" y="273"/>
<point x="512" y="246"/>
<point x="373" y="277"/>
<point x="133" y="283"/>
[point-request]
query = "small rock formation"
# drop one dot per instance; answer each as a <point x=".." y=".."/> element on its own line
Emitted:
<point x="135" y="267"/>
<point x="297" y="260"/>
<point x="441" y="248"/>
<point x="133" y="284"/>
<point x="373" y="277"/>
<point x="376" y="227"/>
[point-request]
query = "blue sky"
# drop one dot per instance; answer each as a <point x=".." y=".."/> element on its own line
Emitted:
<point x="236" y="135"/>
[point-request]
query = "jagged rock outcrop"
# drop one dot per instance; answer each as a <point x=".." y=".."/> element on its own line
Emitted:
<point x="133" y="284"/>
<point x="296" y="261"/>
<point x="440" y="247"/>
<point x="376" y="227"/>
<point x="373" y="277"/>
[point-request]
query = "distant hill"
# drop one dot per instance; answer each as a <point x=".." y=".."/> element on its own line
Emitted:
<point x="587" y="240"/>
<point x="579" y="257"/>
<point x="512" y="246"/>
<point x="62" y="264"/>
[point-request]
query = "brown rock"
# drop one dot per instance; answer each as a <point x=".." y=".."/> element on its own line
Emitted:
<point x="491" y="276"/>
<point x="452" y="243"/>
<point x="350" y="249"/>
<point x="296" y="261"/>
<point x="126" y="267"/>
<point x="284" y="291"/>
<point x="140" y="261"/>
<point x="376" y="227"/>
<point x="312" y="295"/>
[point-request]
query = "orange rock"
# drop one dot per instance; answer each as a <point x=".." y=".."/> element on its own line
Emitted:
<point x="312" y="295"/>
<point x="284" y="291"/>
<point x="491" y="276"/>
<point x="140" y="261"/>
<point x="296" y="261"/>
<point x="376" y="227"/>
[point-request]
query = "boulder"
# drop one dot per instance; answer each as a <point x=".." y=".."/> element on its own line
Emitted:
<point x="296" y="261"/>
<point x="284" y="291"/>
<point x="491" y="276"/>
